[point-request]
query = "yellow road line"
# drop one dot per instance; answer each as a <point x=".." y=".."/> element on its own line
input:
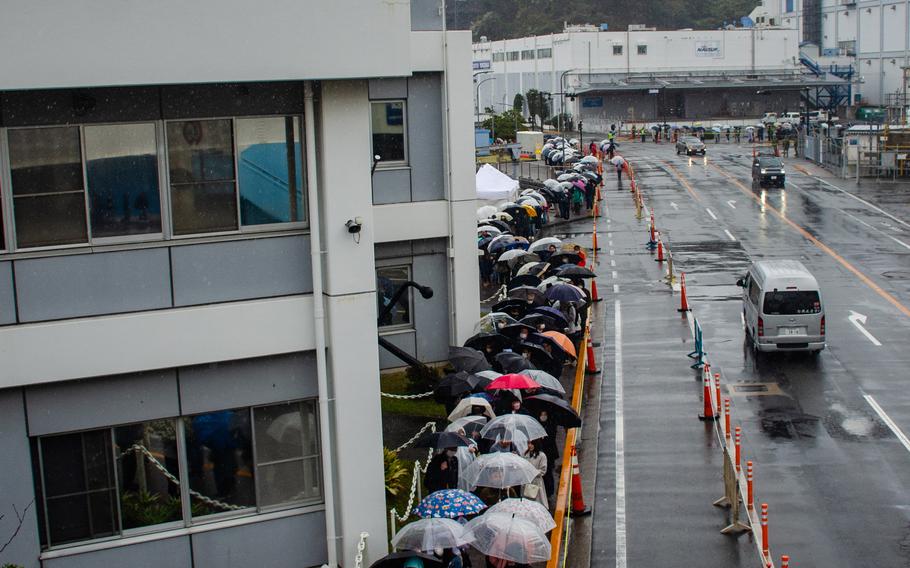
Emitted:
<point x="808" y="236"/>
<point x="684" y="182"/>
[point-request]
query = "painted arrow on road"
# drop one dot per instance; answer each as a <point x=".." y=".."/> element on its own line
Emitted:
<point x="674" y="205"/>
<point x="732" y="204"/>
<point x="859" y="320"/>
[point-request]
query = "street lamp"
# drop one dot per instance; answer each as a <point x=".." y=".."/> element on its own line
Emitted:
<point x="477" y="85"/>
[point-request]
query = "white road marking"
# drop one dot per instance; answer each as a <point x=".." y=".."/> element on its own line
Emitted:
<point x="859" y="320"/>
<point x="729" y="234"/>
<point x="612" y="262"/>
<point x="609" y="235"/>
<point x="620" y="457"/>
<point x="674" y="205"/>
<point x="610" y="243"/>
<point x="887" y="420"/>
<point x="615" y="275"/>
<point x="732" y="204"/>
<point x="742" y="319"/>
<point x="616" y="288"/>
<point x="861" y="200"/>
<point x="711" y="213"/>
<point x="611" y="252"/>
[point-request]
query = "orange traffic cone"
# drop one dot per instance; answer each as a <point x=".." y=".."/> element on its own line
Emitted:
<point x="579" y="509"/>
<point x="683" y="300"/>
<point x="708" y="407"/>
<point x="591" y="366"/>
<point x="660" y="249"/>
<point x="594" y="296"/>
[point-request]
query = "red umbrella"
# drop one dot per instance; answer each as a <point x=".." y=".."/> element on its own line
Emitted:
<point x="513" y="381"/>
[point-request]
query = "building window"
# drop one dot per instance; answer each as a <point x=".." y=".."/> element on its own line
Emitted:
<point x="201" y="164"/>
<point x="545" y="53"/>
<point x="512" y="56"/>
<point x="642" y="49"/>
<point x="388" y="280"/>
<point x="388" y="128"/>
<point x="617" y="50"/>
<point x="122" y="480"/>
<point x="270" y="170"/>
<point x="527" y="54"/>
<point x="47" y="186"/>
<point x="499" y="57"/>
<point x="121" y="170"/>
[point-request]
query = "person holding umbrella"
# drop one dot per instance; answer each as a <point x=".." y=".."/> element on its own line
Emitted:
<point x="620" y="164"/>
<point x="442" y="471"/>
<point x="536" y="489"/>
<point x="551" y="449"/>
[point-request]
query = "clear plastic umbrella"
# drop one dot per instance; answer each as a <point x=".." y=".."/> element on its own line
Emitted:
<point x="492" y="322"/>
<point x="492" y="375"/>
<point x="542" y="244"/>
<point x="500" y="470"/>
<point x="486" y="211"/>
<point x="504" y="426"/>
<point x="495" y="231"/>
<point x="460" y="423"/>
<point x="545" y="379"/>
<point x="551" y="183"/>
<point x="431" y="533"/>
<point x="507" y="536"/>
<point x="528" y="509"/>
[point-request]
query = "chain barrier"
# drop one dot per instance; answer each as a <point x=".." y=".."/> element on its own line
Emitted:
<point x="431" y="426"/>
<point x="407" y="396"/>
<point x="501" y="294"/>
<point x="358" y="560"/>
<point x="173" y="479"/>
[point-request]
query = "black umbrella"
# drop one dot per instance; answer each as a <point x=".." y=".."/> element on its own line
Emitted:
<point x="560" y="411"/>
<point x="512" y="306"/>
<point x="529" y="294"/>
<point x="565" y="293"/>
<point x="514" y="330"/>
<point x="441" y="440"/>
<point x="468" y="359"/>
<point x="483" y="340"/>
<point x="524" y="280"/>
<point x="513" y="362"/>
<point x="574" y="271"/>
<point x="397" y="559"/>
<point x="555" y="314"/>
<point x="456" y="384"/>
<point x="537" y="319"/>
<point x="537" y="354"/>
<point x="564" y="258"/>
<point x="533" y="268"/>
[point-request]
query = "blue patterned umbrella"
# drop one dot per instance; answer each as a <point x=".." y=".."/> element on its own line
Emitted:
<point x="450" y="504"/>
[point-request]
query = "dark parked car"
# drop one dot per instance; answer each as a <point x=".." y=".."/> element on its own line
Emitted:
<point x="768" y="170"/>
<point x="689" y="145"/>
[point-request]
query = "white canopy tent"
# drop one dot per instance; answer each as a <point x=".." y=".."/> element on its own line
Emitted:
<point x="493" y="185"/>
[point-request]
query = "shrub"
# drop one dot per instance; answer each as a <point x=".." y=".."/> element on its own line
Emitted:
<point x="396" y="473"/>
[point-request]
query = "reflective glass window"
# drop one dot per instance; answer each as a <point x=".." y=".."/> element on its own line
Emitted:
<point x="121" y="167"/>
<point x="388" y="281"/>
<point x="270" y="170"/>
<point x="201" y="163"/>
<point x="220" y="461"/>
<point x="388" y="127"/>
<point x="287" y="453"/>
<point x="47" y="186"/>
<point x="147" y="473"/>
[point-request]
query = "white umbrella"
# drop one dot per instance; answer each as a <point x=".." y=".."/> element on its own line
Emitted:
<point x="504" y="426"/>
<point x="460" y="423"/>
<point x="617" y="160"/>
<point x="431" y="533"/>
<point x="508" y="536"/>
<point x="500" y="470"/>
<point x="526" y="269"/>
<point x="528" y="509"/>
<point x="551" y="183"/>
<point x="505" y="205"/>
<point x="486" y="212"/>
<point x="465" y="406"/>
<point x="590" y="159"/>
<point x="492" y="322"/>
<point x="550" y="280"/>
<point x="513" y="254"/>
<point x="503" y="217"/>
<point x="542" y="244"/>
<point x="545" y="379"/>
<point x="496" y="231"/>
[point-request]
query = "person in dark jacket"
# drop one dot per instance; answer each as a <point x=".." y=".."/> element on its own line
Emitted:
<point x="551" y="450"/>
<point x="442" y="472"/>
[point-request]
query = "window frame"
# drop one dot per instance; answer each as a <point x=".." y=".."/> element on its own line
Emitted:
<point x="617" y="49"/>
<point x="166" y="234"/>
<point x="409" y="266"/>
<point x="393" y="164"/>
<point x="513" y="55"/>
<point x="528" y="54"/>
<point x="642" y="49"/>
<point x="544" y="53"/>
<point x="187" y="522"/>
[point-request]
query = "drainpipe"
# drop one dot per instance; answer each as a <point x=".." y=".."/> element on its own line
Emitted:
<point x="326" y="428"/>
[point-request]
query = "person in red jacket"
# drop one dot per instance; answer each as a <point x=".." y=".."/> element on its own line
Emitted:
<point x="581" y="253"/>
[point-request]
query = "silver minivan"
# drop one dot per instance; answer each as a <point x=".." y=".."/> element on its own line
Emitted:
<point x="782" y="307"/>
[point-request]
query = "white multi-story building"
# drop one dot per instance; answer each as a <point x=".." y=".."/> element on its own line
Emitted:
<point x="192" y="234"/>
<point x="694" y="73"/>
<point x="874" y="35"/>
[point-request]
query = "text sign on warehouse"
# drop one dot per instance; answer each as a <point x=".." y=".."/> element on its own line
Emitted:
<point x="708" y="49"/>
<point x="481" y="65"/>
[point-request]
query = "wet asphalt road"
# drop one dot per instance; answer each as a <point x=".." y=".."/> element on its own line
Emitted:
<point x="836" y="476"/>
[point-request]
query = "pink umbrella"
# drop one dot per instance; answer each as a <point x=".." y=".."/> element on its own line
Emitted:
<point x="513" y="381"/>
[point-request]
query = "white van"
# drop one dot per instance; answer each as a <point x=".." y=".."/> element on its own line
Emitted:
<point x="782" y="307"/>
<point x="789" y="117"/>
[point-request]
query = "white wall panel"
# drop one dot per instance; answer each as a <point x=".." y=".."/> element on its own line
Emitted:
<point x="133" y="42"/>
<point x="410" y="221"/>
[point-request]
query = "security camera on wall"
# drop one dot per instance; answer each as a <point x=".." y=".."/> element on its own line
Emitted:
<point x="354" y="225"/>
